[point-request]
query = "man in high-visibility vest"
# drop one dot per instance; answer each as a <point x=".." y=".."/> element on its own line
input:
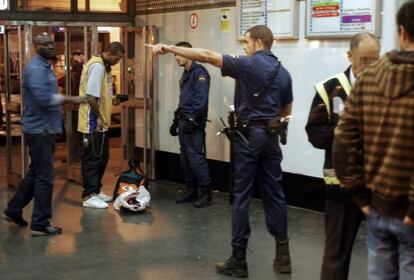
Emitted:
<point x="342" y="216"/>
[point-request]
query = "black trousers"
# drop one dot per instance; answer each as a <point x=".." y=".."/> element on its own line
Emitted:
<point x="38" y="182"/>
<point x="94" y="160"/>
<point x="193" y="155"/>
<point x="342" y="220"/>
<point x="258" y="162"/>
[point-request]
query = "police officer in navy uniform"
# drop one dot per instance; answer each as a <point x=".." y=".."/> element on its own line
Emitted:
<point x="342" y="216"/>
<point x="189" y="124"/>
<point x="263" y="96"/>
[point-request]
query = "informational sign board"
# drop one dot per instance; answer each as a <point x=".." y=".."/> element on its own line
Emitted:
<point x="342" y="18"/>
<point x="279" y="15"/>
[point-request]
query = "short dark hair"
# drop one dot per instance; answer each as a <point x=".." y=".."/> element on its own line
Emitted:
<point x="77" y="52"/>
<point x="184" y="44"/>
<point x="405" y="18"/>
<point x="359" y="37"/>
<point x="115" y="48"/>
<point x="263" y="33"/>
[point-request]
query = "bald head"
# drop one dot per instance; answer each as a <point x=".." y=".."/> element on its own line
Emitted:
<point x="45" y="46"/>
<point x="364" y="49"/>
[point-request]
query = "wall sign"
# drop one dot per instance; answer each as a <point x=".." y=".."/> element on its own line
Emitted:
<point x="225" y="20"/>
<point x="279" y="15"/>
<point x="342" y="18"/>
<point x="193" y="21"/>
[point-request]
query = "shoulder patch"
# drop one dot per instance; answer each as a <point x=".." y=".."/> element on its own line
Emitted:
<point x="235" y="55"/>
<point x="202" y="78"/>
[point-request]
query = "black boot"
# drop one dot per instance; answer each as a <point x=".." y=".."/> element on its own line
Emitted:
<point x="282" y="261"/>
<point x="190" y="195"/>
<point x="235" y="265"/>
<point x="205" y="197"/>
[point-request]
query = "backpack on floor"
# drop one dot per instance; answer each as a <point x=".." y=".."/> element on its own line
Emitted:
<point x="131" y="191"/>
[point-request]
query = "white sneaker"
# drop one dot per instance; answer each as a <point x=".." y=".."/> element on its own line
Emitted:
<point x="105" y="197"/>
<point x="95" y="202"/>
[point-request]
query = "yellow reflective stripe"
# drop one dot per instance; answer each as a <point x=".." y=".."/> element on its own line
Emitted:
<point x="320" y="89"/>
<point x="343" y="80"/>
<point x="331" y="180"/>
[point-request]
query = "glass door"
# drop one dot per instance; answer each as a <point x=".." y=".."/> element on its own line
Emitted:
<point x="17" y="42"/>
<point x="138" y="114"/>
<point x="80" y="42"/>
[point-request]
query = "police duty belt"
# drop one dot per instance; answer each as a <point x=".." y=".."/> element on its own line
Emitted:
<point x="230" y="132"/>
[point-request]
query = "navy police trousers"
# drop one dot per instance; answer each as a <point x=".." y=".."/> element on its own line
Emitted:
<point x="192" y="154"/>
<point x="257" y="162"/>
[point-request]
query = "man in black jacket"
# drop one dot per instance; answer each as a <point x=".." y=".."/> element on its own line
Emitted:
<point x="189" y="125"/>
<point x="342" y="216"/>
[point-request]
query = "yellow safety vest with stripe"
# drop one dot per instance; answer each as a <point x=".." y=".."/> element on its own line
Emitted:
<point x="320" y="89"/>
<point x="85" y="121"/>
<point x="329" y="173"/>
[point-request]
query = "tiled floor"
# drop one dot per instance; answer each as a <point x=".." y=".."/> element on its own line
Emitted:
<point x="167" y="242"/>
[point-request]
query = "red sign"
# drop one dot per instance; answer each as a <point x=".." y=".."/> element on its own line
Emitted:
<point x="326" y="8"/>
<point x="193" y="21"/>
<point x="321" y="15"/>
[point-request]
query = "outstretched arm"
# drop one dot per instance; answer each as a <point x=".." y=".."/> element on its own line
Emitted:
<point x="196" y="54"/>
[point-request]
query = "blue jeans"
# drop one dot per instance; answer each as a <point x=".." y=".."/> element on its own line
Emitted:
<point x="390" y="248"/>
<point x="38" y="182"/>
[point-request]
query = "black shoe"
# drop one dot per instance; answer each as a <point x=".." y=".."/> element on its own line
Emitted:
<point x="190" y="195"/>
<point x="14" y="218"/>
<point x="203" y="201"/>
<point x="49" y="230"/>
<point x="233" y="267"/>
<point x="282" y="261"/>
<point x="205" y="197"/>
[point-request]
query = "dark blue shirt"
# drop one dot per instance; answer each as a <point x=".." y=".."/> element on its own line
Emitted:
<point x="194" y="88"/>
<point x="251" y="74"/>
<point x="41" y="100"/>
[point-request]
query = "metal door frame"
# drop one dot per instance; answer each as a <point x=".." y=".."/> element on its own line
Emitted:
<point x="143" y="68"/>
<point x="14" y="178"/>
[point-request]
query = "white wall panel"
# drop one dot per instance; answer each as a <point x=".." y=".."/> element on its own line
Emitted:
<point x="308" y="61"/>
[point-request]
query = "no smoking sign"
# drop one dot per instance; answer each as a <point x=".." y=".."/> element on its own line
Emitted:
<point x="193" y="21"/>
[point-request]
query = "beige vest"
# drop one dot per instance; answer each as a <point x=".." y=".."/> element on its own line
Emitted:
<point x="85" y="123"/>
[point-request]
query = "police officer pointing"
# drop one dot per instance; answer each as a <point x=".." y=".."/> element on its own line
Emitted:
<point x="189" y="124"/>
<point x="263" y="96"/>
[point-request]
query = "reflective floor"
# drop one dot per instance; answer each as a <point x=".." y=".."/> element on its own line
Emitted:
<point x="167" y="242"/>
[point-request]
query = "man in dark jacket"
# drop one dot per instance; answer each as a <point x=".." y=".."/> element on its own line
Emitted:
<point x="189" y="124"/>
<point x="342" y="216"/>
<point x="374" y="154"/>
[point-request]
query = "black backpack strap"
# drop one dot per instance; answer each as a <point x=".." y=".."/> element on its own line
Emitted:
<point x="117" y="186"/>
<point x="134" y="165"/>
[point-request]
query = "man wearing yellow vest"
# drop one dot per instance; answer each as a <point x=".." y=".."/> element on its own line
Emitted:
<point x="94" y="122"/>
<point x="342" y="216"/>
